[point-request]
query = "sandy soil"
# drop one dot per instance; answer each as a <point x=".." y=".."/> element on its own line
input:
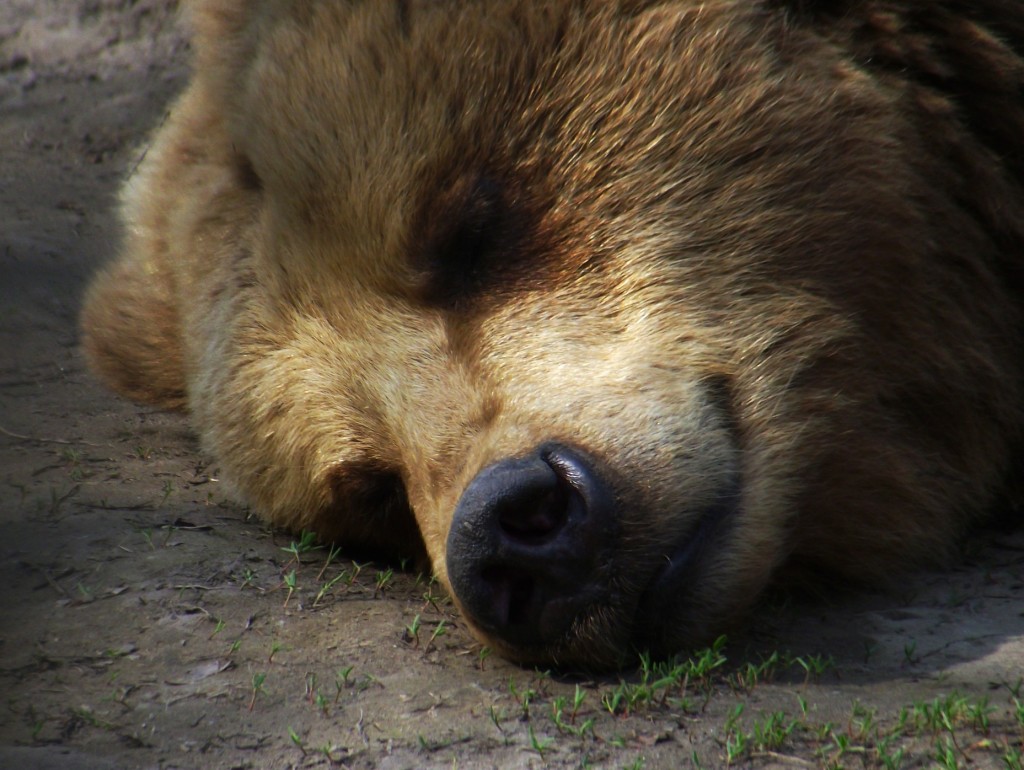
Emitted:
<point x="146" y="622"/>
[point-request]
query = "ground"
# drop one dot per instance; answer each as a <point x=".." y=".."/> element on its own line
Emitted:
<point x="147" y="622"/>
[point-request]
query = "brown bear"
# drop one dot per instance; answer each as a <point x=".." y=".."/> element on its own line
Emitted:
<point x="613" y="310"/>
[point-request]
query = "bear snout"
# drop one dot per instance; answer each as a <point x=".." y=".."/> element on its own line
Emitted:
<point x="529" y="546"/>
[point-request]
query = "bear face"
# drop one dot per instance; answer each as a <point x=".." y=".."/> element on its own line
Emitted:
<point x="608" y="312"/>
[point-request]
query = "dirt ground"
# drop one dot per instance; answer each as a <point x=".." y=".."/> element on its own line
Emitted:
<point x="146" y="622"/>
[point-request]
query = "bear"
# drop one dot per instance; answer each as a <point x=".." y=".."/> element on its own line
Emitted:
<point x="612" y="313"/>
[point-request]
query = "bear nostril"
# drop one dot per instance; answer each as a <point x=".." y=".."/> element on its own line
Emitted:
<point x="513" y="591"/>
<point x="536" y="515"/>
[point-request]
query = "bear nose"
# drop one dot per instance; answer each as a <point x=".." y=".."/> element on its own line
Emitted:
<point x="529" y="545"/>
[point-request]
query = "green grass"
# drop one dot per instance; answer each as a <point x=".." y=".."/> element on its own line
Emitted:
<point x="305" y="544"/>
<point x="753" y="709"/>
<point x="258" y="680"/>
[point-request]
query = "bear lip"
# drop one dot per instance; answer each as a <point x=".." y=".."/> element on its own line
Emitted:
<point x="675" y="580"/>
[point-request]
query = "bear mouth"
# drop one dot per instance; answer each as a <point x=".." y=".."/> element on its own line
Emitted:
<point x="673" y="589"/>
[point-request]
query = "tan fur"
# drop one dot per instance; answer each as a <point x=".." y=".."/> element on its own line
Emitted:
<point x="778" y="241"/>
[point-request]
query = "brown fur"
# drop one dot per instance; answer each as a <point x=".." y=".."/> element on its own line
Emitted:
<point x="378" y="246"/>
